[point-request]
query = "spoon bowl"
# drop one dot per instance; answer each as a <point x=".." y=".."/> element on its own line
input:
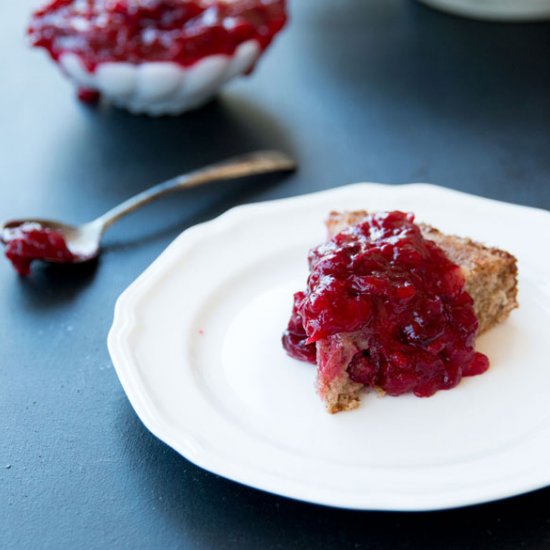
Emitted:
<point x="82" y="241"/>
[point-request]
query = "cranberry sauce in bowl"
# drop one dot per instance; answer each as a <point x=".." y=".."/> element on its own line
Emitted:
<point x="399" y="298"/>
<point x="133" y="31"/>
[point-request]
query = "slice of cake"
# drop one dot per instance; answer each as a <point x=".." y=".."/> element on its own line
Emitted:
<point x="396" y="306"/>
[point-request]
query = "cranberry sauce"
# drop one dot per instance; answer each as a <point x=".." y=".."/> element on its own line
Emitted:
<point x="295" y="337"/>
<point x="31" y="241"/>
<point x="181" y="31"/>
<point x="400" y="300"/>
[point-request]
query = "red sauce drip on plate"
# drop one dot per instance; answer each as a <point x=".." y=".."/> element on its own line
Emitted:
<point x="398" y="295"/>
<point x="31" y="241"/>
<point x="180" y="31"/>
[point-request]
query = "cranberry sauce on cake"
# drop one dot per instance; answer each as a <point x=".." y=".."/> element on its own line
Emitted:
<point x="388" y="307"/>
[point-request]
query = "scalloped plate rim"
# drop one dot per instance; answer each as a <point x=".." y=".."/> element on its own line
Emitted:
<point x="137" y="395"/>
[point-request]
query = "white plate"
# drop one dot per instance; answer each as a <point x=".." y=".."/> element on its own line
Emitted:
<point x="196" y="344"/>
<point x="495" y="10"/>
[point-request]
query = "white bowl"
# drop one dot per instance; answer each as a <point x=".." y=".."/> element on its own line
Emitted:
<point x="495" y="10"/>
<point x="161" y="88"/>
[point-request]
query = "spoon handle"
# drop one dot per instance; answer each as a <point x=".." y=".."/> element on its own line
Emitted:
<point x="251" y="164"/>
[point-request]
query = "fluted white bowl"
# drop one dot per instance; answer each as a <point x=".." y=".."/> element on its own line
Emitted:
<point x="161" y="88"/>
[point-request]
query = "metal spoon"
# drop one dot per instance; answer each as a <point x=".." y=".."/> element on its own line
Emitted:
<point x="84" y="240"/>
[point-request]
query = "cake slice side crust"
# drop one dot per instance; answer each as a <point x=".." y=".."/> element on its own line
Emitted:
<point x="491" y="281"/>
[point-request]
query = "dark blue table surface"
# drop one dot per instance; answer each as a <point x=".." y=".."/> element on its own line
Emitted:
<point x="379" y="90"/>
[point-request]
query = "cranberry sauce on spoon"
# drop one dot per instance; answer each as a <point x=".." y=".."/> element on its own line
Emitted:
<point x="31" y="241"/>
